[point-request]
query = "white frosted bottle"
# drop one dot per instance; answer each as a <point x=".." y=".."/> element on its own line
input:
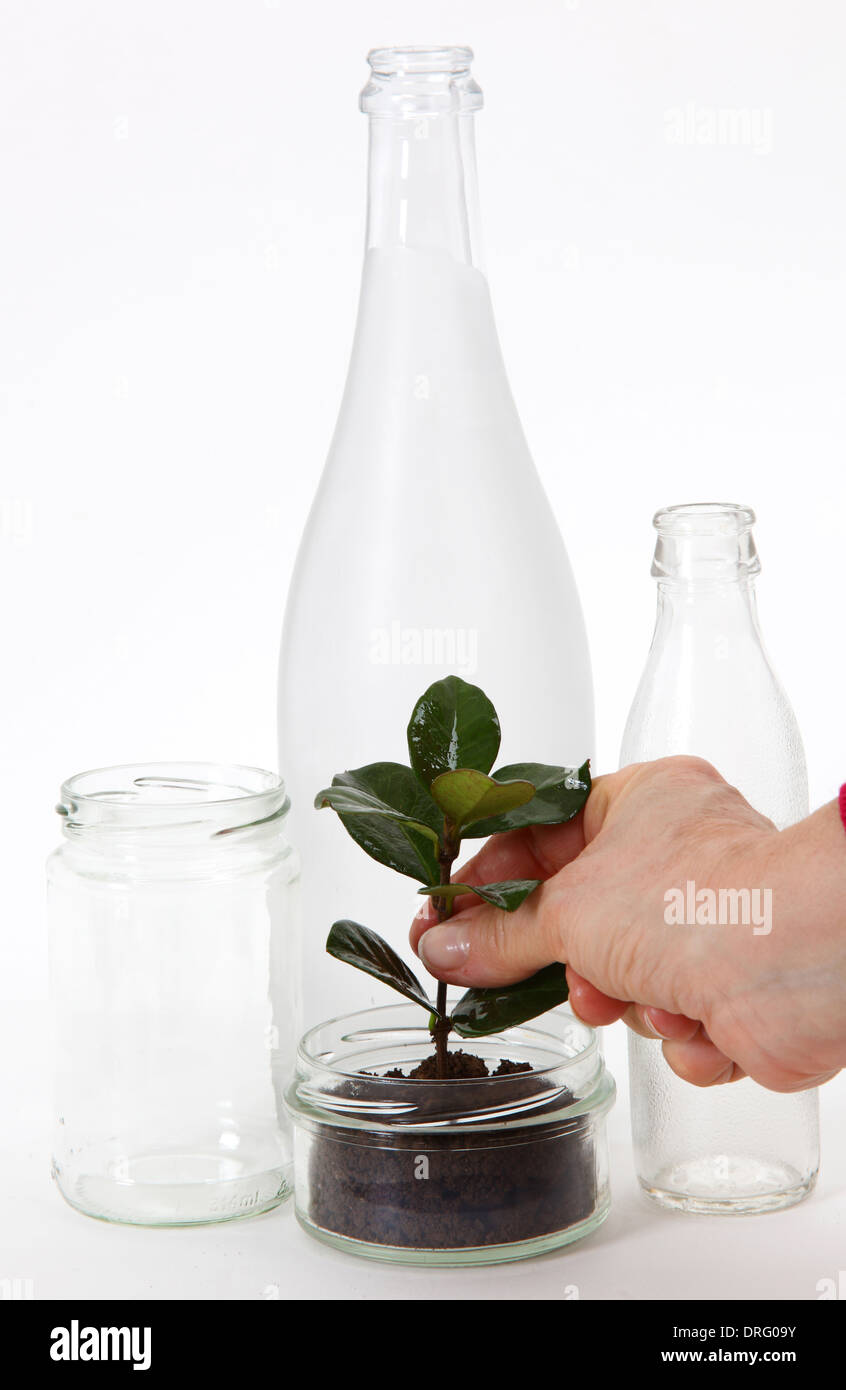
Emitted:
<point x="431" y="547"/>
<point x="708" y="689"/>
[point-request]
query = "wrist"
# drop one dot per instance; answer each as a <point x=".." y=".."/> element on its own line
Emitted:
<point x="789" y="992"/>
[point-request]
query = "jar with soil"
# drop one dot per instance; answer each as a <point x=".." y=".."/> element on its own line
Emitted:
<point x="504" y="1159"/>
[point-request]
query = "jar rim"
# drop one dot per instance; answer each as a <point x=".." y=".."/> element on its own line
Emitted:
<point x="315" y="1062"/>
<point x="134" y="795"/>
<point x="575" y="1085"/>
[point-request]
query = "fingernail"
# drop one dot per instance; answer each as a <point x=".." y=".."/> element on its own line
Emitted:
<point x="444" y="949"/>
<point x="648" y="1017"/>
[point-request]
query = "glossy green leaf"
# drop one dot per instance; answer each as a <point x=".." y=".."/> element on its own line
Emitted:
<point x="452" y="725"/>
<point x="560" y="793"/>
<point x="466" y="795"/>
<point x="390" y="815"/>
<point x="507" y="895"/>
<point x="359" y="946"/>
<point x="483" y="1011"/>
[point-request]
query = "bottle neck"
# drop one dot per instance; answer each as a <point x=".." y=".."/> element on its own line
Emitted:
<point x="695" y="611"/>
<point x="422" y="192"/>
<point x="706" y="563"/>
<point x="422" y="186"/>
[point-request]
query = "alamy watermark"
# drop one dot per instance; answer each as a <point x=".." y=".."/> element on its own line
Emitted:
<point x="16" y="520"/>
<point x="720" y="907"/>
<point x="17" y="1289"/>
<point x="731" y="127"/>
<point x="82" y="1343"/>
<point x="397" y="645"/>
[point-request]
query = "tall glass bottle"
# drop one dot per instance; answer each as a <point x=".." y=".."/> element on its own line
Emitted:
<point x="708" y="689"/>
<point x="431" y="547"/>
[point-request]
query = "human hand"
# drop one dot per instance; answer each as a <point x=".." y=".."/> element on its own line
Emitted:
<point x="725" y="1000"/>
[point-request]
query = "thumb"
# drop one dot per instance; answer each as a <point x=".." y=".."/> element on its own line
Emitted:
<point x="485" y="946"/>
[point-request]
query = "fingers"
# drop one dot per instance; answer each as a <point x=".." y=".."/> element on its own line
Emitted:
<point x="426" y="918"/>
<point x="485" y="946"/>
<point x="481" y="947"/>
<point x="590" y="1004"/>
<point x="598" y="1009"/>
<point x="604" y="792"/>
<point x="535" y="852"/>
<point x="687" y="1048"/>
<point x="658" y="1023"/>
<point x="538" y="851"/>
<point x="657" y="777"/>
<point x="700" y="1062"/>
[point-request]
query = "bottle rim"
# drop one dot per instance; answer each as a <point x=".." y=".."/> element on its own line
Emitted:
<point x="705" y="541"/>
<point x="704" y="519"/>
<point x="416" y="80"/>
<point x="416" y="58"/>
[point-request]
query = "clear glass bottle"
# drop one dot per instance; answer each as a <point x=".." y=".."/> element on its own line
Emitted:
<point x="708" y="689"/>
<point x="172" y="969"/>
<point x="431" y="547"/>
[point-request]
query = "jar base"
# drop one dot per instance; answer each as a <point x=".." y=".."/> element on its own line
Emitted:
<point x="147" y="1193"/>
<point x="471" y="1255"/>
<point x="743" y="1188"/>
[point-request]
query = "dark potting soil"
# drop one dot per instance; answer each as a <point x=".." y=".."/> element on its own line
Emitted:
<point x="441" y="1190"/>
<point x="460" y="1065"/>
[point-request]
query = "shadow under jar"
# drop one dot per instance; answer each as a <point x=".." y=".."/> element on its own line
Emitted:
<point x="467" y="1171"/>
<point x="171" y="906"/>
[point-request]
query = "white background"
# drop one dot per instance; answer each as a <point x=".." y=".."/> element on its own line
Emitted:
<point x="180" y="245"/>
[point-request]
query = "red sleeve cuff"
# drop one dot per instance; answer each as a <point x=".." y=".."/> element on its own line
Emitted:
<point x="843" y="805"/>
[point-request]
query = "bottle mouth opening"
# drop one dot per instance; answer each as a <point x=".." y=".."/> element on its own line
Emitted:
<point x="705" y="541"/>
<point x="704" y="519"/>
<point x="418" y="58"/>
<point x="420" y="80"/>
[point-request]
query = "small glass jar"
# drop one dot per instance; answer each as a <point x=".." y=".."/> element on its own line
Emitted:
<point x="459" y="1172"/>
<point x="172" y="906"/>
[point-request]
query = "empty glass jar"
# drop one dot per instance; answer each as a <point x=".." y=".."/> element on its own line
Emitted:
<point x="171" y="931"/>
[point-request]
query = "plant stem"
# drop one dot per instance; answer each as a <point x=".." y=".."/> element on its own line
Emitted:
<point x="441" y="1032"/>
<point x="444" y="908"/>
